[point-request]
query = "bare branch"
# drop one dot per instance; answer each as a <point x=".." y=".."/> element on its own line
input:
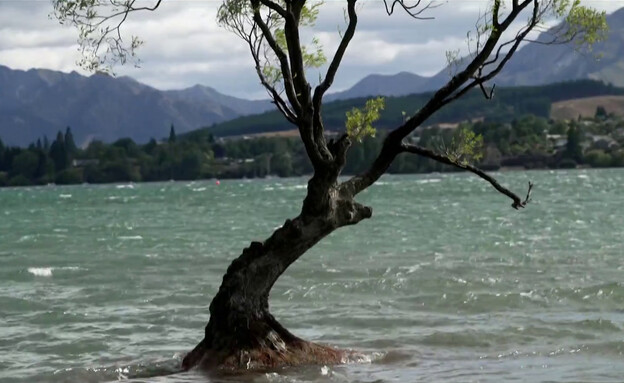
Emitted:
<point x="279" y="102"/>
<point x="274" y="6"/>
<point x="412" y="9"/>
<point x="517" y="201"/>
<point x="390" y="149"/>
<point x="495" y="10"/>
<point x="342" y="48"/>
<point x="317" y="100"/>
<point x="281" y="56"/>
<point x="488" y="95"/>
<point x="295" y="53"/>
<point x="393" y="142"/>
<point x="480" y="79"/>
<point x="458" y="80"/>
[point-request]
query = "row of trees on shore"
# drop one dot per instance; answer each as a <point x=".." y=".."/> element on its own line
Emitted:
<point x="529" y="142"/>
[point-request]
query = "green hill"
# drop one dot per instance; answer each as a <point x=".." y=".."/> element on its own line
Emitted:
<point x="507" y="104"/>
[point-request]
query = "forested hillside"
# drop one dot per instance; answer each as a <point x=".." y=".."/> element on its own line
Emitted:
<point x="527" y="142"/>
<point x="507" y="104"/>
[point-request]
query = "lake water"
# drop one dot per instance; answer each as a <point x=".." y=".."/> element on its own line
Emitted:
<point x="446" y="283"/>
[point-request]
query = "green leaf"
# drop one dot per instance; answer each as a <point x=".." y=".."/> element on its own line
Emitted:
<point x="360" y="121"/>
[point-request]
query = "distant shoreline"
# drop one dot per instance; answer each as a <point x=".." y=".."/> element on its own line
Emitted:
<point x="506" y="169"/>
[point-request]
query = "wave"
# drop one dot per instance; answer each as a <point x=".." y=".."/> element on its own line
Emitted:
<point x="458" y="339"/>
<point x="130" y="237"/>
<point x="40" y="271"/>
<point x="47" y="271"/>
<point x="429" y="181"/>
<point x="141" y="370"/>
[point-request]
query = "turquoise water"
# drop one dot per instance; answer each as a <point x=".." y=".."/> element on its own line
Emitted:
<point x="445" y="283"/>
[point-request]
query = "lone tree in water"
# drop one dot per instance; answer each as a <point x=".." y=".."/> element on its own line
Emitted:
<point x="241" y="332"/>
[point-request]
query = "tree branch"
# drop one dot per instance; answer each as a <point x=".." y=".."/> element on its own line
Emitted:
<point x="155" y="7"/>
<point x="495" y="10"/>
<point x="316" y="149"/>
<point x="274" y="6"/>
<point x="517" y="201"/>
<point x="459" y="79"/>
<point x="393" y="142"/>
<point x="479" y="78"/>
<point x="317" y="100"/>
<point x="243" y="24"/>
<point x="279" y="102"/>
<point x="342" y="48"/>
<point x="389" y="150"/>
<point x="281" y="56"/>
<point x="411" y="10"/>
<point x="95" y="33"/>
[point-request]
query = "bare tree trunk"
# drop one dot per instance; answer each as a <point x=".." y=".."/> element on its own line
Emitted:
<point x="241" y="332"/>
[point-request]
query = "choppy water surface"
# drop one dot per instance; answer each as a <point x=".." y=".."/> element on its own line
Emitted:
<point x="446" y="282"/>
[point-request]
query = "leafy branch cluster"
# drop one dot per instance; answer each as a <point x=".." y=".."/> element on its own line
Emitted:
<point x="99" y="24"/>
<point x="359" y="121"/>
<point x="466" y="146"/>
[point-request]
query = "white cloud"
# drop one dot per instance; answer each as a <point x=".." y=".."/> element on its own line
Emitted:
<point x="57" y="58"/>
<point x="184" y="46"/>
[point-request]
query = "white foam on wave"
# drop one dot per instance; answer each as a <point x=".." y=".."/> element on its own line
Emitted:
<point x="130" y="237"/>
<point x="65" y="195"/>
<point x="293" y="187"/>
<point x="25" y="238"/>
<point x="40" y="271"/>
<point x="129" y="186"/>
<point x="47" y="271"/>
<point x="431" y="181"/>
<point x="410" y="269"/>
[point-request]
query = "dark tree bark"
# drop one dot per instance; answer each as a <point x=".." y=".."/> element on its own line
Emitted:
<point x="241" y="332"/>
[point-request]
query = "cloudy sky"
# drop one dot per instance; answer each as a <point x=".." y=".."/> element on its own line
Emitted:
<point x="184" y="46"/>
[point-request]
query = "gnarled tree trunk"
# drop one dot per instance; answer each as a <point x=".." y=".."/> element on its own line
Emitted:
<point x="241" y="332"/>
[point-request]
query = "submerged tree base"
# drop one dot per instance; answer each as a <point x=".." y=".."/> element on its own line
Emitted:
<point x="276" y="348"/>
<point x="241" y="332"/>
<point x="299" y="354"/>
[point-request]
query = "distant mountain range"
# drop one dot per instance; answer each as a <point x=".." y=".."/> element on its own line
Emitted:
<point x="400" y="84"/>
<point x="533" y="64"/>
<point x="40" y="102"/>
